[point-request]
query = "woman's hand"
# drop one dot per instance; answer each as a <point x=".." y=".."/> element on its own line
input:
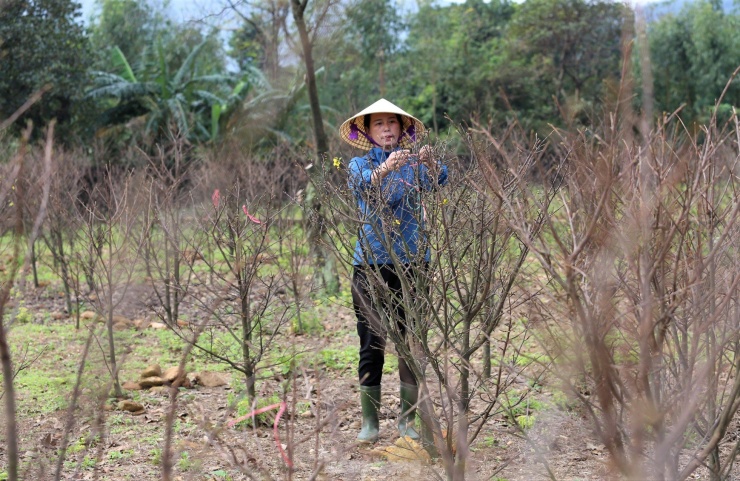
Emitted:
<point x="425" y="156"/>
<point x="397" y="159"/>
<point x="394" y="161"/>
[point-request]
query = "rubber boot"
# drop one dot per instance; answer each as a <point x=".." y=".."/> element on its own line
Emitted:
<point x="370" y="402"/>
<point x="407" y="418"/>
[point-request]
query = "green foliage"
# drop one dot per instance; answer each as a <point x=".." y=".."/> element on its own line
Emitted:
<point x="156" y="456"/>
<point x="42" y="44"/>
<point x="340" y="359"/>
<point x="562" y="401"/>
<point x="49" y="380"/>
<point x="247" y="47"/>
<point x="191" y="97"/>
<point x="525" y="421"/>
<point x="463" y="50"/>
<point x="520" y="408"/>
<point x="308" y="323"/>
<point x="132" y="25"/>
<point x="89" y="462"/>
<point x="245" y="406"/>
<point x="221" y="474"/>
<point x="572" y="46"/>
<point x="23" y="316"/>
<point x="185" y="463"/>
<point x="77" y="446"/>
<point x="541" y="62"/>
<point x="693" y="55"/>
<point x="488" y="442"/>
<point x="121" y="455"/>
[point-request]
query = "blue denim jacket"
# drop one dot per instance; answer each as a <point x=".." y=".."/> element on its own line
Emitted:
<point x="391" y="213"/>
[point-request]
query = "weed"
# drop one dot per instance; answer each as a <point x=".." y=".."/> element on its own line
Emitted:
<point x="340" y="359"/>
<point x="243" y="407"/>
<point x="77" y="446"/>
<point x="390" y="365"/>
<point x="310" y="323"/>
<point x="156" y="456"/>
<point x="221" y="474"/>
<point x="89" y="462"/>
<point x="184" y="463"/>
<point x="562" y="401"/>
<point x="488" y="442"/>
<point x="119" y="455"/>
<point x="525" y="421"/>
<point x="24" y="315"/>
<point x="182" y="427"/>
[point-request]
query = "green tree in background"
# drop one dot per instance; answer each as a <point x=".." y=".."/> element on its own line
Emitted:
<point x="258" y="39"/>
<point x="131" y="25"/>
<point x="457" y="52"/>
<point x="693" y="55"/>
<point x="374" y="35"/>
<point x="571" y="47"/>
<point x="42" y="43"/>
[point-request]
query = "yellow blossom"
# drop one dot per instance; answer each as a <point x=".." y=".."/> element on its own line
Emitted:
<point x="337" y="162"/>
<point x="444" y="201"/>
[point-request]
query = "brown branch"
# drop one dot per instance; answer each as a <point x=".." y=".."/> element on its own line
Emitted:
<point x="27" y="105"/>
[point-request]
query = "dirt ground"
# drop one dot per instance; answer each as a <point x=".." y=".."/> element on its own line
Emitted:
<point x="317" y="431"/>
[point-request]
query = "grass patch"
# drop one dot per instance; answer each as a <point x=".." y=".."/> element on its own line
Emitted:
<point x="44" y="386"/>
<point x="340" y="359"/>
<point x="244" y="406"/>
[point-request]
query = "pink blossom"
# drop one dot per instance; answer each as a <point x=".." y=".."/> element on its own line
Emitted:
<point x="215" y="198"/>
<point x="250" y="216"/>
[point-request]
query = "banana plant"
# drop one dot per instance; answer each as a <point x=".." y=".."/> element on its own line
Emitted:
<point x="187" y="100"/>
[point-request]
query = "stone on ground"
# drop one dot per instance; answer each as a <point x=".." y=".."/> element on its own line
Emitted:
<point x="130" y="406"/>
<point x="404" y="449"/>
<point x="151" y="371"/>
<point x="211" y="379"/>
<point x="170" y="374"/>
<point x="151" y="381"/>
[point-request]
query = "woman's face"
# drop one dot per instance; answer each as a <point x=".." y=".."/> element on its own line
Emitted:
<point x="385" y="129"/>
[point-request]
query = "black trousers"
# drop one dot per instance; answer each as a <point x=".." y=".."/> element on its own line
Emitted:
<point x="370" y="313"/>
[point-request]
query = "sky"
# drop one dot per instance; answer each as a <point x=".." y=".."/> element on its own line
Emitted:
<point x="180" y="10"/>
<point x="187" y="10"/>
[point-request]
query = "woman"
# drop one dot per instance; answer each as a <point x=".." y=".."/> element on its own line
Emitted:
<point x="386" y="182"/>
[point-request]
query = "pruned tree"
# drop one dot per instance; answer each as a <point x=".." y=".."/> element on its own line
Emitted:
<point x="110" y="223"/>
<point x="61" y="230"/>
<point x="639" y="290"/>
<point x="236" y="262"/>
<point x="170" y="245"/>
<point x="16" y="245"/>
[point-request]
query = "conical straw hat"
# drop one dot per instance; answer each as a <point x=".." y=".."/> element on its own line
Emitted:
<point x="353" y="131"/>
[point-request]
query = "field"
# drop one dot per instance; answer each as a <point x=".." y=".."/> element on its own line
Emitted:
<point x="314" y="372"/>
<point x="111" y="444"/>
<point x="576" y="317"/>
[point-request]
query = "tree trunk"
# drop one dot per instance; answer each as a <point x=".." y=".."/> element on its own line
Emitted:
<point x="322" y="143"/>
<point x="11" y="428"/>
<point x="325" y="266"/>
